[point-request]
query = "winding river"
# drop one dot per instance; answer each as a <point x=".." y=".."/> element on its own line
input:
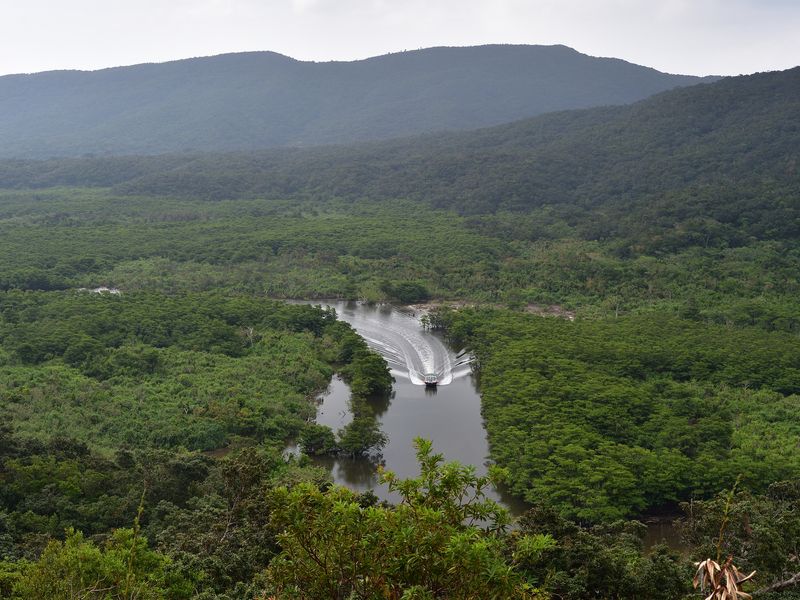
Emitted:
<point x="449" y="415"/>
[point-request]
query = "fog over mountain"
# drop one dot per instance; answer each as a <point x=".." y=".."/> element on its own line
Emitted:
<point x="262" y="99"/>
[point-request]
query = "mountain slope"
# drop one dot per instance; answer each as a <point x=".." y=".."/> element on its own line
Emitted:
<point x="262" y="99"/>
<point x="727" y="151"/>
<point x="708" y="164"/>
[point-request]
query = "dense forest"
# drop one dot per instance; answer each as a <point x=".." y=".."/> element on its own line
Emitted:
<point x="153" y="519"/>
<point x="143" y="430"/>
<point x="68" y="238"/>
<point x="607" y="418"/>
<point x="256" y="100"/>
<point x="723" y="153"/>
<point x="191" y="371"/>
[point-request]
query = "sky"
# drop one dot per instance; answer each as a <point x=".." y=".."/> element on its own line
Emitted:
<point x="698" y="37"/>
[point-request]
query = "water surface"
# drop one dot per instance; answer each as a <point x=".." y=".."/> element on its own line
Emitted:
<point x="448" y="415"/>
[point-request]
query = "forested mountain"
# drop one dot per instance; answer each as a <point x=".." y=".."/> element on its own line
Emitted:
<point x="262" y="99"/>
<point x="144" y="430"/>
<point x="709" y="164"/>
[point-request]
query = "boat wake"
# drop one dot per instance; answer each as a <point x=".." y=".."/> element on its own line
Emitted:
<point x="410" y="351"/>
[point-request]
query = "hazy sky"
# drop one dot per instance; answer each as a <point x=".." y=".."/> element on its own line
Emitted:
<point x="679" y="36"/>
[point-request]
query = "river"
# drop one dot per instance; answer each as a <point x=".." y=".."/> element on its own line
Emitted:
<point x="448" y="415"/>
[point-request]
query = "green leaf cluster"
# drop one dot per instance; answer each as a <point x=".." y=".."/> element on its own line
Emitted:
<point x="607" y="418"/>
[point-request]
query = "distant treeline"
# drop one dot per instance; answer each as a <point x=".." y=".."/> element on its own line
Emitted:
<point x="706" y="165"/>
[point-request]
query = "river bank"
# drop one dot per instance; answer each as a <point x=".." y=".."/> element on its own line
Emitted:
<point x="449" y="415"/>
<point x="541" y="310"/>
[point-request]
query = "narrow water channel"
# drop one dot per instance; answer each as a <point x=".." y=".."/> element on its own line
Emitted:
<point x="448" y="415"/>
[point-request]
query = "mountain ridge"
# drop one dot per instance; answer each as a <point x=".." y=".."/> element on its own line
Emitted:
<point x="718" y="159"/>
<point x="288" y="58"/>
<point x="256" y="100"/>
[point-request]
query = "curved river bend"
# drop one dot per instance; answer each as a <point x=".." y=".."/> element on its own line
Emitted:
<point x="449" y="415"/>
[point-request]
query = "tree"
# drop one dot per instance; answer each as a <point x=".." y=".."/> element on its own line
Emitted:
<point x="406" y="292"/>
<point x="426" y="547"/>
<point x="316" y="439"/>
<point x="361" y="435"/>
<point x="123" y="570"/>
<point x="367" y="374"/>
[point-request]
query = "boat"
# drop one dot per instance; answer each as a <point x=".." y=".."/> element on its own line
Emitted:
<point x="431" y="379"/>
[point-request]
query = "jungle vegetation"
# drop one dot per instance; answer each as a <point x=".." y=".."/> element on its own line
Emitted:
<point x="142" y="433"/>
<point x="269" y="100"/>
<point x="608" y="418"/>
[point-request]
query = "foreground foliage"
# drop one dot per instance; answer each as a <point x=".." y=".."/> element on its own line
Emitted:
<point x="124" y="568"/>
<point x="761" y="532"/>
<point x="333" y="546"/>
<point x="253" y="524"/>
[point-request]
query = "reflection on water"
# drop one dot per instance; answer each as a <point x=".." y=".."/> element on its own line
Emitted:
<point x="358" y="474"/>
<point x="664" y="531"/>
<point x="449" y="415"/>
<point x="334" y="406"/>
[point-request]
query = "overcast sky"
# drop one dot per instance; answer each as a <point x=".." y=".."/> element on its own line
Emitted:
<point x="679" y="36"/>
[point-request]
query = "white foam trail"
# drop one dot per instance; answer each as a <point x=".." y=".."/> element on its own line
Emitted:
<point x="463" y="372"/>
<point x="402" y="374"/>
<point x="410" y="351"/>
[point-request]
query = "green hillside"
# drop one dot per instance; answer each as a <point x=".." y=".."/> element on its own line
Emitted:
<point x="711" y="164"/>
<point x="688" y="200"/>
<point x="155" y="421"/>
<point x="722" y="156"/>
<point x="262" y="99"/>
